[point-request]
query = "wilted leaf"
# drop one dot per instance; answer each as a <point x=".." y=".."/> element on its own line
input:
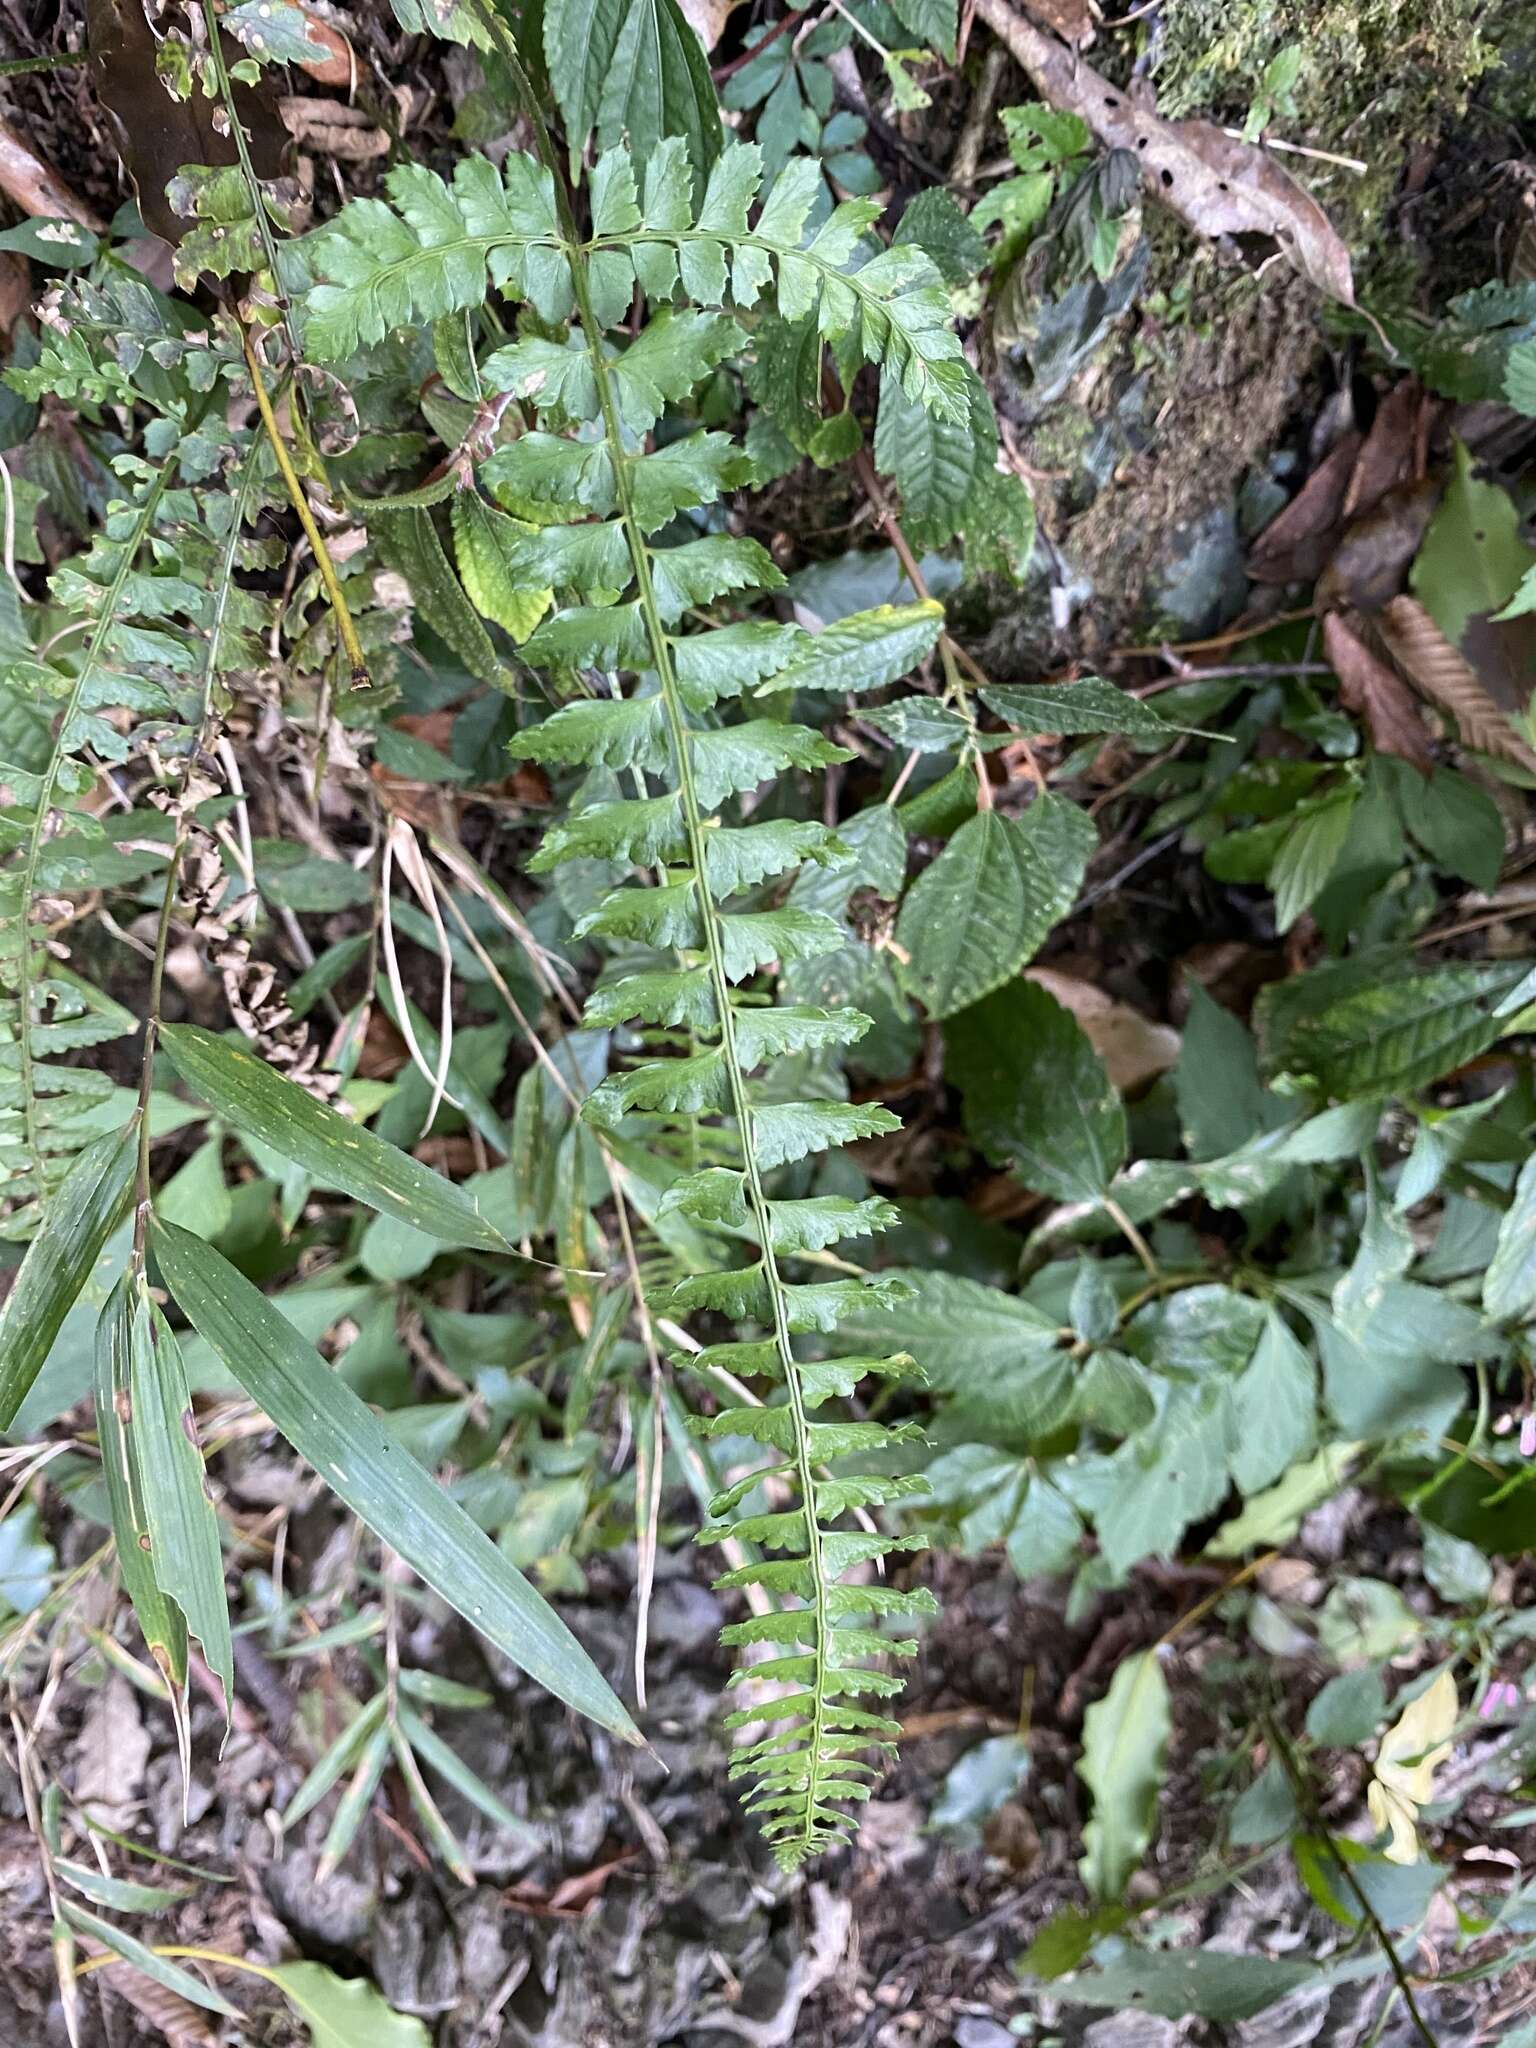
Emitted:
<point x="1410" y="1752"/>
<point x="1377" y="694"/>
<point x="1297" y="542"/>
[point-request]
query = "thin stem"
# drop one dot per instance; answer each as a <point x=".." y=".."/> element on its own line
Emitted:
<point x="352" y="646"/>
<point x="20" y="67"/>
<point x="248" y="172"/>
<point x="226" y="578"/>
<point x="1134" y="1237"/>
<point x="1301" y="1791"/>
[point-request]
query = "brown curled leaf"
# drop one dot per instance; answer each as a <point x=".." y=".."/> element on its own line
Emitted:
<point x="1370" y="564"/>
<point x="1222" y="188"/>
<point x="1376" y="693"/>
<point x="1299" y="539"/>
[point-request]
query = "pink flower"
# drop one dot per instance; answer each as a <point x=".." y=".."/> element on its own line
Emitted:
<point x="1500" y="1698"/>
<point x="1528" y="1437"/>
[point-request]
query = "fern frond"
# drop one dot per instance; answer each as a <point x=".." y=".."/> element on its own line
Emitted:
<point x="155" y="607"/>
<point x="696" y="926"/>
<point x="432" y="252"/>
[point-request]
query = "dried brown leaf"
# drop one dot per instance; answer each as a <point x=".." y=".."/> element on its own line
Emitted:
<point x="1133" y="1048"/>
<point x="1299" y="539"/>
<point x="1377" y="694"/>
<point x="1072" y="20"/>
<point x="330" y="128"/>
<point x="1222" y="188"/>
<point x="155" y="134"/>
<point x="338" y="66"/>
<point x="36" y="187"/>
<point x="1370" y="564"/>
<point x="1441" y="673"/>
<point x="177" y="2018"/>
<point x="1395" y="447"/>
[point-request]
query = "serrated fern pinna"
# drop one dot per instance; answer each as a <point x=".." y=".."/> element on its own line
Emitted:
<point x="583" y="505"/>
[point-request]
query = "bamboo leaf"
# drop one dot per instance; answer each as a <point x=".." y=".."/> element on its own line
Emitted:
<point x="335" y="1150"/>
<point x="160" y="1968"/>
<point x="347" y="1444"/>
<point x="77" y="1221"/>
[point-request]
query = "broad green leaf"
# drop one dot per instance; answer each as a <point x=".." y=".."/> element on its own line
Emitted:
<point x="1350" y="1031"/>
<point x="1273" y="1517"/>
<point x="1458" y="825"/>
<point x="962" y="1333"/>
<point x="933" y="22"/>
<point x="1202" y="1983"/>
<point x="1472" y="558"/>
<point x="1125" y="1745"/>
<point x="352" y="1451"/>
<point x="342" y="1154"/>
<point x="1035" y="1093"/>
<point x="978" y="1784"/>
<point x="982" y="910"/>
<point x="934" y="461"/>
<point x="1315" y="837"/>
<point x="1274" y="1406"/>
<point x="77" y="1221"/>
<point x="1222" y="1102"/>
<point x="1348" y="1710"/>
<point x="27" y="1561"/>
<point x="1509" y="1285"/>
<point x="344" y="2012"/>
<point x="935" y="222"/>
<point x="865" y="650"/>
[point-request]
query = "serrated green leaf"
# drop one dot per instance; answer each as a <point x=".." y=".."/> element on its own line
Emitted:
<point x="981" y="911"/>
<point x="488" y="546"/>
<point x="1035" y="1092"/>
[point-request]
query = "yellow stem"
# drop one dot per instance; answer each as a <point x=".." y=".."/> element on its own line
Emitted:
<point x="353" y="647"/>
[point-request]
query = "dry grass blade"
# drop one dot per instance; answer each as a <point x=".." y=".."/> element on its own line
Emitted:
<point x="1442" y="674"/>
<point x="1220" y="186"/>
<point x="400" y="844"/>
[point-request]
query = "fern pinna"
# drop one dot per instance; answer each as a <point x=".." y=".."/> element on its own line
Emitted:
<point x="582" y="509"/>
